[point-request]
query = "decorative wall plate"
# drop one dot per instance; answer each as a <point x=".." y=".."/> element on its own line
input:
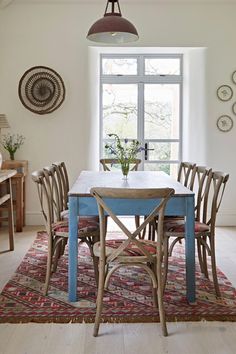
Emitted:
<point x="234" y="108"/>
<point x="225" y="123"/>
<point x="225" y="93"/>
<point x="41" y="90"/>
<point x="234" y="77"/>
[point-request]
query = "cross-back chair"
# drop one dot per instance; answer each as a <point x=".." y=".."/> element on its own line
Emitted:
<point x="186" y="174"/>
<point x="108" y="163"/>
<point x="57" y="229"/>
<point x="209" y="196"/>
<point x="62" y="175"/>
<point x="131" y="251"/>
<point x="199" y="186"/>
<point x="207" y="240"/>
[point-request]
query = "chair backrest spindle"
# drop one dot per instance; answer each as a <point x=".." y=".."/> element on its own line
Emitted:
<point x="186" y="174"/>
<point x="44" y="193"/>
<point x="62" y="176"/>
<point x="219" y="180"/>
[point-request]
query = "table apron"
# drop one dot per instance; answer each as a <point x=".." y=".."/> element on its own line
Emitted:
<point x="175" y="206"/>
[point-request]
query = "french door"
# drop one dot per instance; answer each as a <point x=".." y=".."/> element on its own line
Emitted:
<point x="141" y="99"/>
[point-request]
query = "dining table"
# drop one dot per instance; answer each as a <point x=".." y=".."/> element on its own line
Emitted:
<point x="82" y="203"/>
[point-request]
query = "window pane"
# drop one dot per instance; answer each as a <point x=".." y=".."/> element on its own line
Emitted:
<point x="170" y="169"/>
<point x="162" y="66"/>
<point x="163" y="151"/>
<point x="120" y="110"/>
<point x="124" y="66"/>
<point x="161" y="111"/>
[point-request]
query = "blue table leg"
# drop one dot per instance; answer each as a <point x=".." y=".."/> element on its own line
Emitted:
<point x="73" y="248"/>
<point x="190" y="250"/>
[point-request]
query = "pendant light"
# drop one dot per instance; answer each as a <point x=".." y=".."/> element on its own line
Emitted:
<point x="112" y="28"/>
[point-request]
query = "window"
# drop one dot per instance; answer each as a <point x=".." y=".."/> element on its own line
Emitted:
<point x="141" y="99"/>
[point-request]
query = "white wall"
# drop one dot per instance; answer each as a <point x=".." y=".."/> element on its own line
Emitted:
<point x="54" y="35"/>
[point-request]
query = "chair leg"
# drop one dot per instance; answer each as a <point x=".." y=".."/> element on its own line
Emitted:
<point x="99" y="301"/>
<point x="57" y="255"/>
<point x="137" y="221"/>
<point x="160" y="300"/>
<point x="96" y="259"/>
<point x="162" y="312"/>
<point x="63" y="246"/>
<point x="152" y="266"/>
<point x="90" y="241"/>
<point x="106" y="222"/>
<point x="200" y="259"/>
<point x="155" y="298"/>
<point x="95" y="266"/>
<point x="165" y="261"/>
<point x="150" y="232"/>
<point x="48" y="271"/>
<point x="204" y="256"/>
<point x="213" y="265"/>
<point x="141" y="236"/>
<point x="153" y="231"/>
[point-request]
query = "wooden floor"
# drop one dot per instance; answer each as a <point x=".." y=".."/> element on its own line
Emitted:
<point x="184" y="338"/>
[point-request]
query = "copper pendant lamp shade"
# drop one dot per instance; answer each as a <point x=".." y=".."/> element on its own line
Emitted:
<point x="112" y="28"/>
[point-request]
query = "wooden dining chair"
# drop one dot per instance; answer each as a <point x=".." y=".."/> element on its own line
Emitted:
<point x="56" y="228"/>
<point x="210" y="193"/>
<point x="186" y="174"/>
<point x="199" y="186"/>
<point x="109" y="164"/>
<point x="131" y="251"/>
<point x="62" y="176"/>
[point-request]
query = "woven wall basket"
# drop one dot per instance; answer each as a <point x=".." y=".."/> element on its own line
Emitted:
<point x="41" y="90"/>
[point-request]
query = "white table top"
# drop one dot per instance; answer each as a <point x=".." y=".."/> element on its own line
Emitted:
<point x="136" y="179"/>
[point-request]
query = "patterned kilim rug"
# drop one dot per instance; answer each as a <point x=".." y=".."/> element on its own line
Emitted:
<point x="129" y="297"/>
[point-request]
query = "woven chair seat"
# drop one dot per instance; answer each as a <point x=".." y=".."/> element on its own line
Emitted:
<point x="130" y="251"/>
<point x="87" y="224"/>
<point x="178" y="226"/>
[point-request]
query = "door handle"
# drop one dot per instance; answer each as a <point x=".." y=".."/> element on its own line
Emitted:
<point x="146" y="149"/>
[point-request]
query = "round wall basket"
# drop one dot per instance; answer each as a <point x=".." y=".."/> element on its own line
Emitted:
<point x="41" y="90"/>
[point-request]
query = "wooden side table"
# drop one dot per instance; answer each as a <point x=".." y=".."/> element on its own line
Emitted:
<point x="6" y="199"/>
<point x="18" y="186"/>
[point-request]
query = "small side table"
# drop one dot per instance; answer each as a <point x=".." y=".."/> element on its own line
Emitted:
<point x="18" y="186"/>
<point x="6" y="199"/>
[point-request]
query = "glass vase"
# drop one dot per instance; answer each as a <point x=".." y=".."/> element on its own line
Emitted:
<point x="125" y="170"/>
<point x="12" y="155"/>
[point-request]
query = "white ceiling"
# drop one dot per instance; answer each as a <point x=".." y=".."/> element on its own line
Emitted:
<point x="5" y="3"/>
<point x="121" y="1"/>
